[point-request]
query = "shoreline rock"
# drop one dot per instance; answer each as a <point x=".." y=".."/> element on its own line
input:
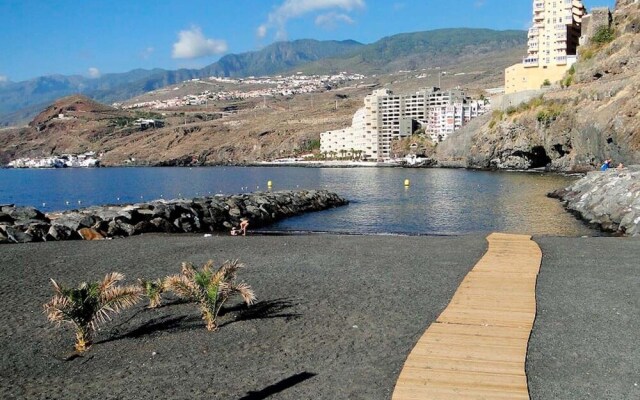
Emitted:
<point x="609" y="200"/>
<point x="201" y="214"/>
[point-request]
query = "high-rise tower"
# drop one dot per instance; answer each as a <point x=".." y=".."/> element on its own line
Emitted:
<point x="553" y="40"/>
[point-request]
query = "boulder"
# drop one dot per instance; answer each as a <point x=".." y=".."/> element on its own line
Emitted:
<point x="609" y="200"/>
<point x="4" y="217"/>
<point x="120" y="228"/>
<point x="90" y="234"/>
<point x="61" y="232"/>
<point x="25" y="213"/>
<point x="17" y="236"/>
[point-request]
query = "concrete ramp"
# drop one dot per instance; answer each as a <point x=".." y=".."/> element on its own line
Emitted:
<point x="477" y="347"/>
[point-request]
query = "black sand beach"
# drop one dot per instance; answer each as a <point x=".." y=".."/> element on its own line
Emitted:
<point x="336" y="318"/>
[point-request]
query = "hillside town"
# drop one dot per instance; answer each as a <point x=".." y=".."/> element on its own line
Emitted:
<point x="84" y="160"/>
<point x="274" y="86"/>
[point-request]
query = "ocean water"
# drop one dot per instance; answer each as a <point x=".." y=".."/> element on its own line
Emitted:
<point x="437" y="202"/>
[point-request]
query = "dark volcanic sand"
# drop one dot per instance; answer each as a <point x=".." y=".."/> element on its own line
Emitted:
<point x="337" y="317"/>
<point x="585" y="342"/>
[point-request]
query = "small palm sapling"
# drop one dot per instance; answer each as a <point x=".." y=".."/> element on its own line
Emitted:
<point x="89" y="305"/>
<point x="210" y="289"/>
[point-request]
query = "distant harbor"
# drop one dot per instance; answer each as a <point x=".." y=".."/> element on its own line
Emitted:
<point x="84" y="160"/>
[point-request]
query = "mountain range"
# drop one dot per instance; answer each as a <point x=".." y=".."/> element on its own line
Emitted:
<point x="20" y="101"/>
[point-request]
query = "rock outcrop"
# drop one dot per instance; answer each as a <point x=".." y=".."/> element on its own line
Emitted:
<point x="573" y="128"/>
<point x="204" y="214"/>
<point x="609" y="200"/>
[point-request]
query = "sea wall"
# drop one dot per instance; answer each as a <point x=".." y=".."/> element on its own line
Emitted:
<point x="609" y="200"/>
<point x="204" y="214"/>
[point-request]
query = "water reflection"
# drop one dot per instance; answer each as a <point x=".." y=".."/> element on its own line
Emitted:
<point x="438" y="201"/>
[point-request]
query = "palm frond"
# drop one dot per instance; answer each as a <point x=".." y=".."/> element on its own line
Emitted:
<point x="109" y="280"/>
<point x="208" y="266"/>
<point x="188" y="270"/>
<point x="182" y="286"/>
<point x="246" y="292"/>
<point x="227" y="271"/>
<point x="57" y="288"/>
<point x="114" y="300"/>
<point x="57" y="309"/>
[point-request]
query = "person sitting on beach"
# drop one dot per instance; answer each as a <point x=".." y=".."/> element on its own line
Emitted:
<point x="244" y="223"/>
<point x="606" y="165"/>
<point x="234" y="231"/>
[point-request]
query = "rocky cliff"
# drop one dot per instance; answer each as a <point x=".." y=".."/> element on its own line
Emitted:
<point x="609" y="200"/>
<point x="592" y="115"/>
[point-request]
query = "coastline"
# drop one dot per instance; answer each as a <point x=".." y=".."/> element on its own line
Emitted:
<point x="336" y="317"/>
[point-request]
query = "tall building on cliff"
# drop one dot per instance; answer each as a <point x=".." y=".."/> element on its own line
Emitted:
<point x="386" y="117"/>
<point x="553" y="40"/>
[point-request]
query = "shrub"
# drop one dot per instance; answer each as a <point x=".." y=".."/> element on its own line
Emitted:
<point x="567" y="81"/>
<point x="587" y="53"/>
<point x="312" y="144"/>
<point x="209" y="289"/>
<point x="549" y="114"/>
<point x="90" y="305"/>
<point x="510" y="110"/>
<point x="546" y="82"/>
<point x="603" y="35"/>
<point x="496" y="116"/>
<point x="153" y="291"/>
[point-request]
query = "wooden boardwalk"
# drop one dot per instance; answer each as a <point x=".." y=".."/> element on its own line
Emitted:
<point x="477" y="347"/>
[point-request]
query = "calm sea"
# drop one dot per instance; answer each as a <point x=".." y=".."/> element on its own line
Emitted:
<point x="438" y="201"/>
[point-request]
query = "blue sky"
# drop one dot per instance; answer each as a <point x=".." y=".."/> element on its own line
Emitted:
<point x="91" y="37"/>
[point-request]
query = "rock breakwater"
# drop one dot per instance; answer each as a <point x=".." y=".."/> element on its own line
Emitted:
<point x="203" y="214"/>
<point x="609" y="200"/>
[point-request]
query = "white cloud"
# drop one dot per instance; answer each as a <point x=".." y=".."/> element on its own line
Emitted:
<point x="295" y="8"/>
<point x="93" y="72"/>
<point x="4" y="79"/>
<point x="331" y="20"/>
<point x="146" y="53"/>
<point x="192" y="44"/>
<point x="261" y="31"/>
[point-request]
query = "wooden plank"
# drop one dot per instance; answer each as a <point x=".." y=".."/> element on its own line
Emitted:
<point x="477" y="347"/>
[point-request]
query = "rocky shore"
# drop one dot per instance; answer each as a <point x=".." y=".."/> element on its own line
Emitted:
<point x="609" y="200"/>
<point x="202" y="214"/>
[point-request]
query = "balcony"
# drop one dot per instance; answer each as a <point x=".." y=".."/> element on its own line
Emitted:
<point x="534" y="32"/>
<point x="531" y="62"/>
<point x="560" y="27"/>
<point x="538" y="6"/>
<point x="560" y="46"/>
<point x="561" y="60"/>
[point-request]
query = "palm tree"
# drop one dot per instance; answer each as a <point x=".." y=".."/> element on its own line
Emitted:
<point x="210" y="289"/>
<point x="153" y="290"/>
<point x="90" y="305"/>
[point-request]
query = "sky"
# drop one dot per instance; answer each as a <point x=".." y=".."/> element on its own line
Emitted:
<point x="95" y="37"/>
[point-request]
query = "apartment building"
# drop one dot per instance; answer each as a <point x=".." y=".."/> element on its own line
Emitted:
<point x="553" y="41"/>
<point x="386" y="117"/>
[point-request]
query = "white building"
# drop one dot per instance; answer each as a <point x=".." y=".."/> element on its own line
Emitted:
<point x="552" y="45"/>
<point x="387" y="117"/>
